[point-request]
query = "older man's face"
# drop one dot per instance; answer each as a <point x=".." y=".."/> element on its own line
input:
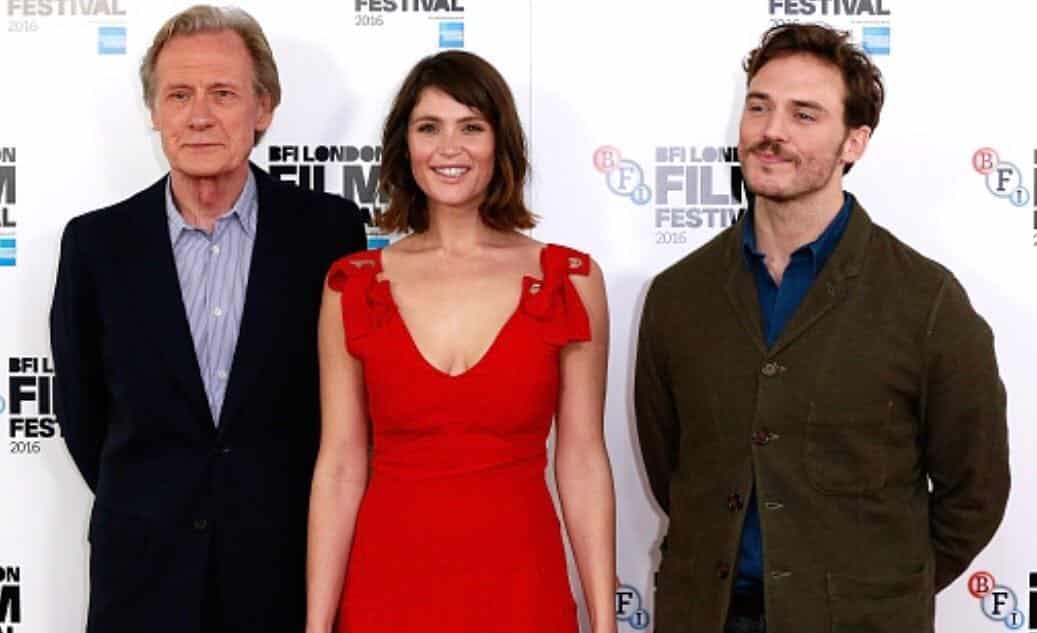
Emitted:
<point x="205" y="104"/>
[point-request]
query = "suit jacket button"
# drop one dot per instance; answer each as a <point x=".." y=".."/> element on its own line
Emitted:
<point x="723" y="570"/>
<point x="201" y="524"/>
<point x="734" y="502"/>
<point x="764" y="437"/>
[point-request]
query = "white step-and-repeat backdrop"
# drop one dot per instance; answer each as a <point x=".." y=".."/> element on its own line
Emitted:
<point x="631" y="109"/>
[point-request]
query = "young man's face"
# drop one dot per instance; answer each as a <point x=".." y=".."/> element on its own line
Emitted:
<point x="792" y="139"/>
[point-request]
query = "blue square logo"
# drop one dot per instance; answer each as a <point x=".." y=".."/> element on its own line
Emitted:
<point x="7" y="251"/>
<point x="875" y="40"/>
<point x="377" y="242"/>
<point x="111" y="40"/>
<point x="451" y="34"/>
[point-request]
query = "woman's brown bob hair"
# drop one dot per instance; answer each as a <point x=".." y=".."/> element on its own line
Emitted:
<point x="472" y="81"/>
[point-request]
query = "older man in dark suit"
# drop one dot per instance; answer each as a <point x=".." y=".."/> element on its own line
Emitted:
<point x="803" y="378"/>
<point x="184" y="337"/>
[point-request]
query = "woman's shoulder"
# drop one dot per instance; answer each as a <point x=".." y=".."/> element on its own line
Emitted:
<point x="361" y="263"/>
<point x="564" y="258"/>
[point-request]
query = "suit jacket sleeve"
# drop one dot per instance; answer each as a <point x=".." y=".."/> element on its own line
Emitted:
<point x="657" y="422"/>
<point x="80" y="394"/>
<point x="966" y="433"/>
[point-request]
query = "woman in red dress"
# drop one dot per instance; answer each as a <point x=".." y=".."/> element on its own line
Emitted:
<point x="444" y="360"/>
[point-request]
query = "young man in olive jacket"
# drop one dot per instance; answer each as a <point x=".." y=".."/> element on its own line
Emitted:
<point x="803" y="378"/>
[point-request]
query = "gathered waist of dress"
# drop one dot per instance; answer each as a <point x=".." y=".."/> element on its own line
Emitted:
<point x="434" y="458"/>
<point x="471" y="469"/>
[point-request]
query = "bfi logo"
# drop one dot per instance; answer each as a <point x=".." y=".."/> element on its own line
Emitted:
<point x="8" y="198"/>
<point x="999" y="602"/>
<point x="31" y="398"/>
<point x="1003" y="178"/>
<point x="630" y="608"/>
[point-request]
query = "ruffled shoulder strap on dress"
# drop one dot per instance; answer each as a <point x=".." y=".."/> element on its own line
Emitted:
<point x="555" y="301"/>
<point x="366" y="303"/>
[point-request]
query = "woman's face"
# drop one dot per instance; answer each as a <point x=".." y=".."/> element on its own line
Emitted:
<point x="451" y="151"/>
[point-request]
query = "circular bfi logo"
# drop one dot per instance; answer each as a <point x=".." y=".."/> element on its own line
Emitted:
<point x="1003" y="179"/>
<point x="623" y="176"/>
<point x="630" y="608"/>
<point x="998" y="602"/>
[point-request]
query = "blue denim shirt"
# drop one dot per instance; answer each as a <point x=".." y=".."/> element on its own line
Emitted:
<point x="777" y="305"/>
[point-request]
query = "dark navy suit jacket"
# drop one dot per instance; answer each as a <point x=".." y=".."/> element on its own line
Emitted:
<point x="171" y="488"/>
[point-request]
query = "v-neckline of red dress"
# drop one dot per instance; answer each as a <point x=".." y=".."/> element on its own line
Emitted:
<point x="528" y="282"/>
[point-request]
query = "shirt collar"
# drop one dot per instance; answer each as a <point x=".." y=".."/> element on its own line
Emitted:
<point x="245" y="209"/>
<point x="819" y="250"/>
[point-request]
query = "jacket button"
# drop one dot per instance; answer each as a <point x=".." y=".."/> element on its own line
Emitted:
<point x="734" y="502"/>
<point x="723" y="570"/>
<point x="200" y="524"/>
<point x="772" y="369"/>
<point x="764" y="437"/>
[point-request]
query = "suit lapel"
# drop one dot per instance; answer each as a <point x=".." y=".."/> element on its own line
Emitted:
<point x="154" y="287"/>
<point x="259" y="325"/>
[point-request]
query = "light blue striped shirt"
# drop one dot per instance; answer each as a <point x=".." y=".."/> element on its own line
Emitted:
<point x="213" y="272"/>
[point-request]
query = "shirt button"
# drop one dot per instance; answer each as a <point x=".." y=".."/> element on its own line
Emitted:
<point x="217" y="312"/>
<point x="215" y="249"/>
<point x="222" y="374"/>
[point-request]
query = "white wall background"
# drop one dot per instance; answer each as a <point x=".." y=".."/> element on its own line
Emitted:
<point x="635" y="76"/>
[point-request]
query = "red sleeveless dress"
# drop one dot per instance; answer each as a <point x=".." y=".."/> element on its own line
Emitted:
<point x="457" y="531"/>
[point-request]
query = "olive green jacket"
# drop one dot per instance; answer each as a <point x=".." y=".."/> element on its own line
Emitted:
<point x="883" y="383"/>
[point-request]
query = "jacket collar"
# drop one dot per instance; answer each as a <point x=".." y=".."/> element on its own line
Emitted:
<point x="829" y="289"/>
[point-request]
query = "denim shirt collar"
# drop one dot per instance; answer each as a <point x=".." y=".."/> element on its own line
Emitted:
<point x="818" y="251"/>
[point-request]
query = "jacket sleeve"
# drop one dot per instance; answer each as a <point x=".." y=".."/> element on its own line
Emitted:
<point x="966" y="435"/>
<point x="81" y="397"/>
<point x="658" y="426"/>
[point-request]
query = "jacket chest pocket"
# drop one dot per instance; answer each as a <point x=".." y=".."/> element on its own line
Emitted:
<point x="845" y="450"/>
